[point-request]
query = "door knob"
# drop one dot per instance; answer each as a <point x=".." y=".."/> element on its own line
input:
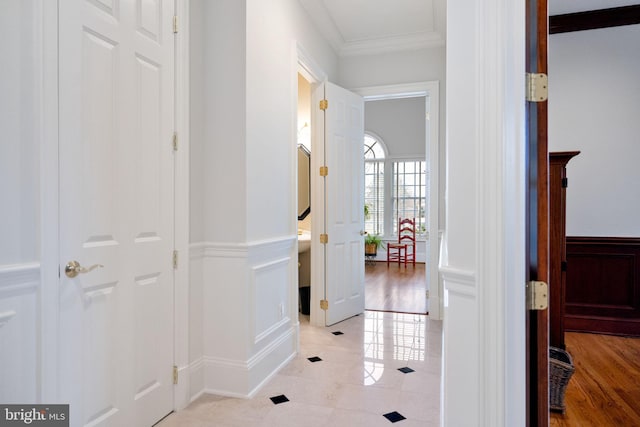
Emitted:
<point x="362" y="232"/>
<point x="73" y="268"/>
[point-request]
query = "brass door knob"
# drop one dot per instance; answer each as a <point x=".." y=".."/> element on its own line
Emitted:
<point x="73" y="268"/>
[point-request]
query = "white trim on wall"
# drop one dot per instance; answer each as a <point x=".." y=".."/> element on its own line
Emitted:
<point x="309" y="68"/>
<point x="181" y="397"/>
<point x="271" y="337"/>
<point x="19" y="277"/>
<point x="19" y="286"/>
<point x="484" y="328"/>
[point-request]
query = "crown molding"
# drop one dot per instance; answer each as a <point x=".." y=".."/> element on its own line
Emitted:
<point x="319" y="15"/>
<point x="392" y="44"/>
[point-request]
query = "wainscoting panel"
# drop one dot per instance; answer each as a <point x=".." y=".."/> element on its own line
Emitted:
<point x="241" y="314"/>
<point x="460" y="373"/>
<point x="18" y="332"/>
<point x="603" y="285"/>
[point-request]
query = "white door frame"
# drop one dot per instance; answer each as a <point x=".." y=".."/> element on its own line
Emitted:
<point x="182" y="394"/>
<point x="46" y="23"/>
<point x="431" y="90"/>
<point x="311" y="71"/>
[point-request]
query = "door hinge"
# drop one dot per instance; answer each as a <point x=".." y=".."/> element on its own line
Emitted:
<point x="537" y="295"/>
<point x="324" y="170"/>
<point x="537" y="87"/>
<point x="324" y="304"/>
<point x="324" y="238"/>
<point x="175" y="260"/>
<point x="175" y="374"/>
<point x="324" y="104"/>
<point x="175" y="141"/>
<point x="175" y="24"/>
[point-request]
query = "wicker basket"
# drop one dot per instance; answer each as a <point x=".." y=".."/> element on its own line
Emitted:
<point x="560" y="370"/>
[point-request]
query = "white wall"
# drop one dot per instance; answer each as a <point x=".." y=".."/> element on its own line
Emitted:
<point x="402" y="67"/>
<point x="594" y="93"/>
<point x="243" y="139"/>
<point x="272" y="28"/>
<point x="20" y="122"/>
<point x="19" y="148"/>
<point x="401" y="125"/>
<point x="393" y="68"/>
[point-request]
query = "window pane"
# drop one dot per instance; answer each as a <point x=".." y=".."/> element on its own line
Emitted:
<point x="373" y="185"/>
<point x="372" y="148"/>
<point x="409" y="193"/>
<point x="374" y="197"/>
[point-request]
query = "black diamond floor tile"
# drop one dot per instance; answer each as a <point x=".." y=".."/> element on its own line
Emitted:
<point x="405" y="370"/>
<point x="394" y="416"/>
<point x="314" y="359"/>
<point x="279" y="399"/>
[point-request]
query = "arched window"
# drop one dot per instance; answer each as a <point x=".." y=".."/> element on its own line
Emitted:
<point x="374" y="157"/>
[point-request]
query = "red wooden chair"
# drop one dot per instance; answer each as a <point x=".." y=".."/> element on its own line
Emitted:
<point x="405" y="249"/>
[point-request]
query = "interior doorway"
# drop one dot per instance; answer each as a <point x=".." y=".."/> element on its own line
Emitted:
<point x="304" y="193"/>
<point x="408" y="174"/>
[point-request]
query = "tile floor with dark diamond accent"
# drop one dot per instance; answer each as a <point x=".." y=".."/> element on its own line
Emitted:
<point x="394" y="416"/>
<point x="358" y="383"/>
<point x="279" y="399"/>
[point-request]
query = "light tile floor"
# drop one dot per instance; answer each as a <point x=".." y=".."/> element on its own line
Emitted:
<point x="355" y="384"/>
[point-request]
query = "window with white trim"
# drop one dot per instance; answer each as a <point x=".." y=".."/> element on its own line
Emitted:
<point x="403" y="194"/>
<point x="374" y="157"/>
<point x="409" y="193"/>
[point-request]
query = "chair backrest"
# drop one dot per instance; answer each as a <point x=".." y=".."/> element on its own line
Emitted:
<point x="407" y="231"/>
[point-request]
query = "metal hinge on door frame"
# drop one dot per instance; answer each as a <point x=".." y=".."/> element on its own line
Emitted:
<point x="174" y="141"/>
<point x="324" y="238"/>
<point x="537" y="295"/>
<point x="175" y="260"/>
<point x="175" y="24"/>
<point x="175" y="374"/>
<point x="324" y="104"/>
<point x="324" y="170"/>
<point x="324" y="304"/>
<point x="537" y="87"/>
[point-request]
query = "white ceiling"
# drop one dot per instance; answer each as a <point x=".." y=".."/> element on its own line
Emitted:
<point x="356" y="27"/>
<point x="360" y="27"/>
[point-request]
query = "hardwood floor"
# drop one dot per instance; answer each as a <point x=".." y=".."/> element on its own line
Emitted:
<point x="605" y="387"/>
<point x="397" y="289"/>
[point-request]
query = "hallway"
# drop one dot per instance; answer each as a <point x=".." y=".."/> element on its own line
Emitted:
<point x="356" y="382"/>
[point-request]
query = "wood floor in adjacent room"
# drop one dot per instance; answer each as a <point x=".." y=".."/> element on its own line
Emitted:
<point x="605" y="387"/>
<point x="398" y="289"/>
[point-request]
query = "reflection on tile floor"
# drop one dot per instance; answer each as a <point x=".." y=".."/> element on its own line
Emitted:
<point x="361" y="379"/>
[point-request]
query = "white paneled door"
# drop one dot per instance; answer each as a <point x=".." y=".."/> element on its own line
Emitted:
<point x="344" y="203"/>
<point x="116" y="121"/>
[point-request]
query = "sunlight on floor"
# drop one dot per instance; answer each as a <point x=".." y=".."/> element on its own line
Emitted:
<point x="371" y="370"/>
